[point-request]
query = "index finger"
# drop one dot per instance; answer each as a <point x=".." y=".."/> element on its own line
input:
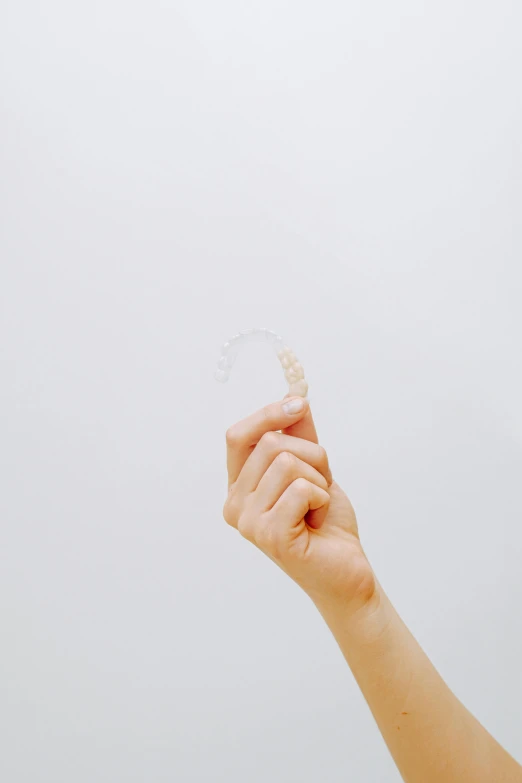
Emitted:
<point x="243" y="436"/>
<point x="304" y="428"/>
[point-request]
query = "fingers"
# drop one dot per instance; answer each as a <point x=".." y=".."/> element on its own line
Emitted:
<point x="274" y="531"/>
<point x="294" y="504"/>
<point x="269" y="447"/>
<point x="284" y="470"/>
<point x="269" y="470"/>
<point x="243" y="436"/>
<point x="275" y="462"/>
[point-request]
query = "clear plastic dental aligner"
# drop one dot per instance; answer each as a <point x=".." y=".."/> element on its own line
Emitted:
<point x="293" y="370"/>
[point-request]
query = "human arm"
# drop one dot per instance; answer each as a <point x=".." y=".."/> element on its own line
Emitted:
<point x="282" y="498"/>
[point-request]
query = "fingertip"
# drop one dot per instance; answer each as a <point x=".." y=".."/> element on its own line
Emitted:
<point x="303" y="426"/>
<point x="294" y="406"/>
<point x="298" y="396"/>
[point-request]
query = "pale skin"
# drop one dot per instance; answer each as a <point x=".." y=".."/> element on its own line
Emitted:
<point x="282" y="498"/>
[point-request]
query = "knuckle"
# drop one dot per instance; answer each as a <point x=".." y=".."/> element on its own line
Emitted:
<point x="232" y="436"/>
<point x="300" y="486"/>
<point x="323" y="455"/>
<point x="286" y="462"/>
<point x="269" y="442"/>
<point x="229" y="511"/>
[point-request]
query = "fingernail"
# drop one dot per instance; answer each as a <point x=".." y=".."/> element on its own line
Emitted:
<point x="294" y="406"/>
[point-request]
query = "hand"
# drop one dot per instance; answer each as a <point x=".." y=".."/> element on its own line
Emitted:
<point x="282" y="498"/>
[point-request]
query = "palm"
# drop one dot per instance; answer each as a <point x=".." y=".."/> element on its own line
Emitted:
<point x="334" y="551"/>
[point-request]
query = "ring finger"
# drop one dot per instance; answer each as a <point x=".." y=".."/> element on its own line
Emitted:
<point x="266" y="451"/>
<point x="285" y="469"/>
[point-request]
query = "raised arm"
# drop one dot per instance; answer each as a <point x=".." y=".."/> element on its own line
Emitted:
<point x="432" y="737"/>
<point x="282" y="498"/>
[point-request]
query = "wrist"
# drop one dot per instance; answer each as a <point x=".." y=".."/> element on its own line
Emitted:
<point x="364" y="623"/>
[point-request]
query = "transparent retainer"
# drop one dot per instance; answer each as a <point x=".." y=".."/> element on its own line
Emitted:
<point x="293" y="370"/>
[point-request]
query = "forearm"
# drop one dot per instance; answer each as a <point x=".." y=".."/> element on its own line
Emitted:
<point x="282" y="498"/>
<point x="430" y="734"/>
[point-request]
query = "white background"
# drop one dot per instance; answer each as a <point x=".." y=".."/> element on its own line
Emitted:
<point x="347" y="174"/>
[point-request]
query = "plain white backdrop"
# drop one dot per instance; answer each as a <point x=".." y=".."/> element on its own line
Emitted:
<point x="347" y="174"/>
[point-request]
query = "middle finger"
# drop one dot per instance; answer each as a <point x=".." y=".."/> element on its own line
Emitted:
<point x="268" y="448"/>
